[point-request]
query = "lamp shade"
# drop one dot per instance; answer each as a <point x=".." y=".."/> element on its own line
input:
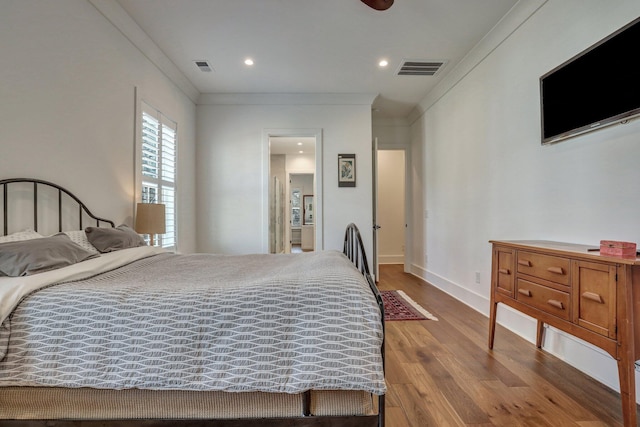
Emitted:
<point x="150" y="218"/>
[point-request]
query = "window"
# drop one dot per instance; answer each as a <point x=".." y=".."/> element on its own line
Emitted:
<point x="295" y="208"/>
<point x="158" y="168"/>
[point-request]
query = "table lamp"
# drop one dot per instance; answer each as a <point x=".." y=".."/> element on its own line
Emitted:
<point x="150" y="219"/>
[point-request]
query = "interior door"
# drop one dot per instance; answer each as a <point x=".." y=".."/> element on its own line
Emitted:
<point x="278" y="210"/>
<point x="376" y="227"/>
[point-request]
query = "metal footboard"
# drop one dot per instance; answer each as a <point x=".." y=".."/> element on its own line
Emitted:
<point x="354" y="250"/>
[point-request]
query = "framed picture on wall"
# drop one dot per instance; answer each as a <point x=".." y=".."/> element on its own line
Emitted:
<point x="346" y="170"/>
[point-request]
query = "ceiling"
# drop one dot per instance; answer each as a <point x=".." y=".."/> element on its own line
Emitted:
<point x="316" y="46"/>
<point x="292" y="146"/>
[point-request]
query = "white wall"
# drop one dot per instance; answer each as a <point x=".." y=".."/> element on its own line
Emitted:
<point x="301" y="163"/>
<point x="484" y="174"/>
<point x="67" y="110"/>
<point x="304" y="182"/>
<point x="230" y="165"/>
<point x="391" y="133"/>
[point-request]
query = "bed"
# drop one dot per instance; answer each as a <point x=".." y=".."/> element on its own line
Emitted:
<point x="96" y="336"/>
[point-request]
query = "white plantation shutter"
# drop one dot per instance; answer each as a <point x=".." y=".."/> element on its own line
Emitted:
<point x="158" y="165"/>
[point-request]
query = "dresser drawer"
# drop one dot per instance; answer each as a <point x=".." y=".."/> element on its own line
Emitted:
<point x="543" y="298"/>
<point x="548" y="267"/>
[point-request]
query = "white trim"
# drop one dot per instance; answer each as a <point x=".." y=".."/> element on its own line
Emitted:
<point x="391" y="259"/>
<point x="375" y="273"/>
<point x="286" y="99"/>
<point x="137" y="151"/>
<point x="516" y="17"/>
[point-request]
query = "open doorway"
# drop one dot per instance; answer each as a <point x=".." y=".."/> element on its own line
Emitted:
<point x="294" y="195"/>
<point x="391" y="206"/>
<point x="302" y="212"/>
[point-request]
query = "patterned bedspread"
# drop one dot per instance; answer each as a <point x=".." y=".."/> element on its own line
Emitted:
<point x="273" y="323"/>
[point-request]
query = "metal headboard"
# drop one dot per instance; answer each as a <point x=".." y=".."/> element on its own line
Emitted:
<point x="82" y="208"/>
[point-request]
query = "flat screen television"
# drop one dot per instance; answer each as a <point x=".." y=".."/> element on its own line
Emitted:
<point x="596" y="88"/>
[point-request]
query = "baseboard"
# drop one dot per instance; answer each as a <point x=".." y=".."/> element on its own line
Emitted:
<point x="474" y="300"/>
<point x="391" y="259"/>
<point x="581" y="355"/>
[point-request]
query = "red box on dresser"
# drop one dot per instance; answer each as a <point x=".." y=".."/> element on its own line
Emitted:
<point x="615" y="248"/>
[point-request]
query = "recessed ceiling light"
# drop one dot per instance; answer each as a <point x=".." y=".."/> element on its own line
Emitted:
<point x="248" y="61"/>
<point x="383" y="63"/>
<point x="299" y="143"/>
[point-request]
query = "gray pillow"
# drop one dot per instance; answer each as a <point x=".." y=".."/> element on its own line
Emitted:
<point x="28" y="257"/>
<point x="113" y="239"/>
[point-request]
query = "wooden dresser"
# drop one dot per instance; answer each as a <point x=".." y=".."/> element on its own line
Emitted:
<point x="576" y="290"/>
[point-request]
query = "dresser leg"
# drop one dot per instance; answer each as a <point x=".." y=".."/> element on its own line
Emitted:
<point x="539" y="333"/>
<point x="626" y="372"/>
<point x="492" y="322"/>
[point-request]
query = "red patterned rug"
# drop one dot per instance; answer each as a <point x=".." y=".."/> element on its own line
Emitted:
<point x="399" y="306"/>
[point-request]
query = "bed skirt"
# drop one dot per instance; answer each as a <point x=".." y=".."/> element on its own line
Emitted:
<point x="83" y="403"/>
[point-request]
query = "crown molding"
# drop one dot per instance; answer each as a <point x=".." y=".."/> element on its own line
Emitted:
<point x="286" y="99"/>
<point x="509" y="24"/>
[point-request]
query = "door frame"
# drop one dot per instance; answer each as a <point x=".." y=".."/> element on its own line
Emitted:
<point x="408" y="241"/>
<point x="266" y="157"/>
<point x="376" y="226"/>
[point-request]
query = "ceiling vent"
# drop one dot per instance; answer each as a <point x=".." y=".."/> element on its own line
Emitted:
<point x="203" y="65"/>
<point x="412" y="67"/>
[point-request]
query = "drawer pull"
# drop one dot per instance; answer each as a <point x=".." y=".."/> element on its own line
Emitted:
<point x="524" y="262"/>
<point x="555" y="303"/>
<point x="593" y="297"/>
<point x="503" y="271"/>
<point x="525" y="292"/>
<point x="556" y="270"/>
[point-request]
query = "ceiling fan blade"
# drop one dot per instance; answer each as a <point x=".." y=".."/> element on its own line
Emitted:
<point x="378" y="4"/>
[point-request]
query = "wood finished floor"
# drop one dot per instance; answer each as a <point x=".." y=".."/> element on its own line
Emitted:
<point x="443" y="374"/>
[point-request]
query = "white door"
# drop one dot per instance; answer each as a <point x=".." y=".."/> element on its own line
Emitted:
<point x="376" y="226"/>
<point x="278" y="214"/>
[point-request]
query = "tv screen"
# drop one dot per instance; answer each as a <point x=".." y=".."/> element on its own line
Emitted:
<point x="596" y="88"/>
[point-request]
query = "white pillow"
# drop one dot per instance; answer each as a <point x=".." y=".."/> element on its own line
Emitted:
<point x="80" y="238"/>
<point x="21" y="235"/>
